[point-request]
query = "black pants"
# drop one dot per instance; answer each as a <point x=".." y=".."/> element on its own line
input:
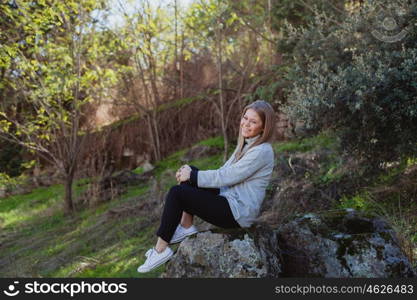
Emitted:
<point x="203" y="202"/>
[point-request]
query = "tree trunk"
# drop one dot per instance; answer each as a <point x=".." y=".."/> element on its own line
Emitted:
<point x="68" y="204"/>
<point x="182" y="66"/>
<point x="176" y="49"/>
<point x="270" y="45"/>
<point x="221" y="100"/>
<point x="151" y="136"/>
<point x="156" y="134"/>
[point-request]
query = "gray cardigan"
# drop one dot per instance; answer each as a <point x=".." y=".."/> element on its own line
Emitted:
<point x="242" y="183"/>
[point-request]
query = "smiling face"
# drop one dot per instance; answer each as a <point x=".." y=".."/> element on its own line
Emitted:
<point x="251" y="124"/>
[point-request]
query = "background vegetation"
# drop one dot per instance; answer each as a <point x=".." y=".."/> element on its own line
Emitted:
<point x="83" y="98"/>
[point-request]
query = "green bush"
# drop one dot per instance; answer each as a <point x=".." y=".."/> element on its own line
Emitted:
<point x="363" y="88"/>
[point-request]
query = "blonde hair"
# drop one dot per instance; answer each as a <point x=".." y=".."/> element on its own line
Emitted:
<point x="267" y="115"/>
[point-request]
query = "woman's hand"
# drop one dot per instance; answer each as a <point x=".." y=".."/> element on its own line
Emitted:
<point x="183" y="173"/>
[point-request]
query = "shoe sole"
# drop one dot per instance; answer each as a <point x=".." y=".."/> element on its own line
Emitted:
<point x="157" y="265"/>
<point x="180" y="239"/>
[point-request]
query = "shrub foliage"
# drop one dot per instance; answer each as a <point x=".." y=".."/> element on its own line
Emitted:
<point x="348" y="79"/>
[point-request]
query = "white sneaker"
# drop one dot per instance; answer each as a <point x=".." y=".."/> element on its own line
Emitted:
<point x="181" y="233"/>
<point x="155" y="259"/>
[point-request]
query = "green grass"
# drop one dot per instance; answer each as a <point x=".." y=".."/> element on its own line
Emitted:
<point x="360" y="202"/>
<point x="217" y="142"/>
<point x="322" y="140"/>
<point x="21" y="208"/>
<point x="39" y="229"/>
<point x="138" y="170"/>
<point x="44" y="242"/>
<point x="113" y="260"/>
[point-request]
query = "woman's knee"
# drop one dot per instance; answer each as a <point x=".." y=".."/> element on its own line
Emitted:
<point x="175" y="191"/>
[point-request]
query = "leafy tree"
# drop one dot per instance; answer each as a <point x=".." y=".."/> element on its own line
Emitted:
<point x="54" y="75"/>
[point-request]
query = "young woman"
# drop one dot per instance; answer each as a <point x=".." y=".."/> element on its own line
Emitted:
<point x="229" y="197"/>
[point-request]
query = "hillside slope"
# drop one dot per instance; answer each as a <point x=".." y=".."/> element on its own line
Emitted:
<point x="110" y="240"/>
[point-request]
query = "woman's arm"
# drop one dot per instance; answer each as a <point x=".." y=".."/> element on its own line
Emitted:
<point x="251" y="162"/>
<point x="194" y="170"/>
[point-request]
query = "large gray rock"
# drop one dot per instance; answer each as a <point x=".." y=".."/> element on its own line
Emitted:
<point x="237" y="254"/>
<point x="341" y="244"/>
<point x="336" y="244"/>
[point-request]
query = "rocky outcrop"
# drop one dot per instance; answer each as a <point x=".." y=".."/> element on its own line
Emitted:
<point x="214" y="255"/>
<point x="341" y="244"/>
<point x="218" y="253"/>
<point x="337" y="244"/>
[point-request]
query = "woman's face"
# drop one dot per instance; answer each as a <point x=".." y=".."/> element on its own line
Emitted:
<point x="251" y="124"/>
